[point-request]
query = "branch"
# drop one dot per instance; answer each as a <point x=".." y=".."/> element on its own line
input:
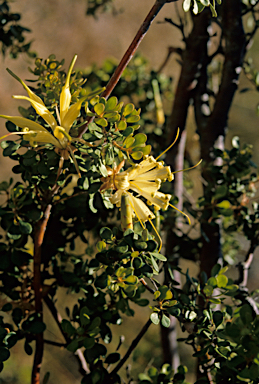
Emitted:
<point x="56" y="344"/>
<point x="245" y="265"/>
<point x="243" y="276"/>
<point x="40" y="229"/>
<point x="171" y="50"/>
<point x="83" y="369"/>
<point x="131" y="349"/>
<point x="143" y="282"/>
<point x="235" y="43"/>
<point x="250" y="8"/>
<point x="129" y="53"/>
<point x="56" y="316"/>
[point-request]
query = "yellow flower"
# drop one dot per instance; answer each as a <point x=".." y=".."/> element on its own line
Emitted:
<point x="145" y="179"/>
<point x="36" y="133"/>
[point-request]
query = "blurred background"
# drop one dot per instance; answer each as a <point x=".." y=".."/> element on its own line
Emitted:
<point x="61" y="27"/>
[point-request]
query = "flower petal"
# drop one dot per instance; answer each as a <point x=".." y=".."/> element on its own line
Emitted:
<point x="140" y="209"/>
<point x="42" y="110"/>
<point x="65" y="96"/>
<point x="163" y="173"/>
<point x="72" y="114"/>
<point x="22" y="122"/>
<point x="43" y="137"/>
<point x="159" y="199"/>
<point x="150" y="186"/>
<point x="30" y="93"/>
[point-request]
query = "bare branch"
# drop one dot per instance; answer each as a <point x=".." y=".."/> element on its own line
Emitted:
<point x="131" y="349"/>
<point x="129" y="53"/>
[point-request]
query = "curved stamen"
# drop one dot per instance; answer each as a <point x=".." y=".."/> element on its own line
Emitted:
<point x="187" y="169"/>
<point x="189" y="221"/>
<point x="170" y="146"/>
<point x="160" y="246"/>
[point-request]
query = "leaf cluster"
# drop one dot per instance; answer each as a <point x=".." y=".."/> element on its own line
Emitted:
<point x="12" y="33"/>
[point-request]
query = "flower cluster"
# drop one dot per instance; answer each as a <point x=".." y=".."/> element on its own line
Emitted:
<point x="37" y="134"/>
<point x="145" y="179"/>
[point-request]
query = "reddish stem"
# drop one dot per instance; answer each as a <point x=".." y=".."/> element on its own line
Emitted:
<point x="129" y="54"/>
<point x="38" y="240"/>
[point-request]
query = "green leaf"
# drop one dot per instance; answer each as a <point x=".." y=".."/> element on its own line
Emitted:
<point x="140" y="138"/>
<point x="10" y="147"/>
<point x="28" y="349"/>
<point x="35" y="327"/>
<point x="88" y="343"/>
<point x="218" y="318"/>
<point x="73" y="346"/>
<point x="158" y="256"/>
<point x="146" y="150"/>
<point x="112" y="358"/>
<point x="68" y="327"/>
<point x="101" y="245"/>
<point x="46" y="378"/>
<point x="208" y="290"/>
<point x="7" y="307"/>
<point x="128" y="131"/>
<point x="106" y="233"/>
<point x="133" y="119"/>
<point x="186" y="5"/>
<point x="122" y="125"/>
<point x="215" y="270"/>
<point x="212" y="281"/>
<point x="225" y="204"/>
<point x="102" y="122"/>
<point x="129" y="142"/>
<point x="214" y="301"/>
<point x="99" y="108"/>
<point x="111" y="103"/>
<point x="222" y="281"/>
<point x="84" y="316"/>
<point x="128" y="109"/>
<point x="220" y="192"/>
<point x="154" y="263"/>
<point x="132" y="280"/>
<point x="137" y="155"/>
<point x="122" y="248"/>
<point x="246" y="314"/>
<point x="4" y="354"/>
<point x="142" y="302"/>
<point x="165" y="321"/>
<point x="155" y="318"/>
<point x="25" y="228"/>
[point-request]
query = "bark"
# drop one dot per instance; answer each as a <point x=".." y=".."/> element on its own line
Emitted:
<point x="190" y="72"/>
<point x="211" y="125"/>
<point x="40" y="229"/>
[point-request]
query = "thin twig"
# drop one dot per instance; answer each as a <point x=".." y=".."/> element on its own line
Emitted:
<point x="38" y="240"/>
<point x="171" y="50"/>
<point x="245" y="265"/>
<point x="143" y="282"/>
<point x="129" y="53"/>
<point x="56" y="316"/>
<point x="131" y="348"/>
<point x="56" y="344"/>
<point x="58" y="319"/>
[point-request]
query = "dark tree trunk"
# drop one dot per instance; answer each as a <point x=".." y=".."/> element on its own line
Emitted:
<point x="211" y="124"/>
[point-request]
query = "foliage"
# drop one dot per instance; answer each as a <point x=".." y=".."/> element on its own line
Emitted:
<point x="94" y="6"/>
<point x="12" y="33"/>
<point x="61" y="230"/>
